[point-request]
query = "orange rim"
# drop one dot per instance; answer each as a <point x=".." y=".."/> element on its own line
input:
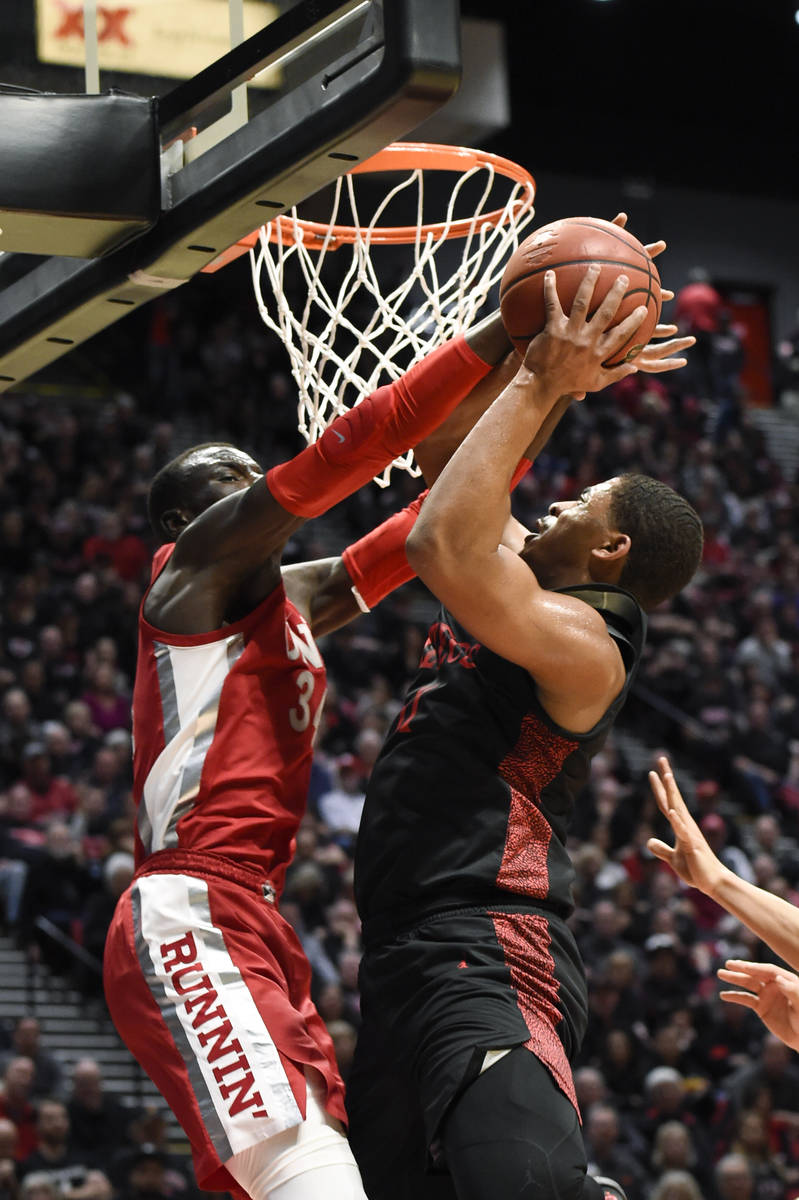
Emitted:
<point x="399" y="156"/>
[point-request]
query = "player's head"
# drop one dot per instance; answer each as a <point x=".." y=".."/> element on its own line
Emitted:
<point x="633" y="531"/>
<point x="194" y="481"/>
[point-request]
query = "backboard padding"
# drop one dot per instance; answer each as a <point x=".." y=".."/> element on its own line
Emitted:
<point x="284" y="154"/>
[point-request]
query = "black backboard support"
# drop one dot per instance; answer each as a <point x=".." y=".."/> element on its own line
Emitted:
<point x="372" y="72"/>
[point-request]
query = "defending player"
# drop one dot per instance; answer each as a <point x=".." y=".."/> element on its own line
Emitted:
<point x="473" y="994"/>
<point x="204" y="979"/>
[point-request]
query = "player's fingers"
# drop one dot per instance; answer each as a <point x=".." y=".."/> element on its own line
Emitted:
<point x="660" y="849"/>
<point x="664" y="331"/>
<point x="659" y="791"/>
<point x="742" y="998"/>
<point x="607" y="310"/>
<point x="582" y="297"/>
<point x="666" y="294"/>
<point x="742" y="979"/>
<point x="658" y="365"/>
<point x="670" y="784"/>
<point x="674" y="345"/>
<point x="763" y="972"/>
<point x="615" y="374"/>
<point x="619" y="334"/>
<point x="789" y="990"/>
<point x="552" y="305"/>
<point x="655" y="248"/>
<point x="620" y="219"/>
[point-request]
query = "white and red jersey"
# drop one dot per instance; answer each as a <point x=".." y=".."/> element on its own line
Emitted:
<point x="223" y="724"/>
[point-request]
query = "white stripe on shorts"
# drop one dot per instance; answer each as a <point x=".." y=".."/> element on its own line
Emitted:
<point x="233" y="1065"/>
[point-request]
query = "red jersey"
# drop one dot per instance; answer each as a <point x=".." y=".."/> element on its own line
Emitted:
<point x="223" y="725"/>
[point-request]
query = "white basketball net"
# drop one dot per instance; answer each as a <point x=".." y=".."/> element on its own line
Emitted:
<point x="364" y="322"/>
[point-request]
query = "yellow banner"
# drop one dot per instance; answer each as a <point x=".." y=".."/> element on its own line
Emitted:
<point x="171" y="38"/>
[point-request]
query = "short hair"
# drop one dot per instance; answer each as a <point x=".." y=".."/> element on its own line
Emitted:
<point x="171" y="488"/>
<point x="665" y="534"/>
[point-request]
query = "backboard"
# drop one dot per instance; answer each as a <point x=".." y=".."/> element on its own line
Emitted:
<point x="347" y="77"/>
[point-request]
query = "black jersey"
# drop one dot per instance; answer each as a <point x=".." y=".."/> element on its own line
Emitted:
<point x="470" y="800"/>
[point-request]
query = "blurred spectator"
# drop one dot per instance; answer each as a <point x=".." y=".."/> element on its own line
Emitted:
<point x="99" y="909"/>
<point x="776" y="1070"/>
<point x="341" y="807"/>
<point x="15" y="1104"/>
<point x="57" y="888"/>
<point x="75" y="1174"/>
<point x="124" y="552"/>
<point x="148" y="1134"/>
<point x="9" y="1170"/>
<point x="676" y="1185"/>
<point x="751" y="1141"/>
<point x="668" y="1100"/>
<point x="108" y="705"/>
<point x="51" y="795"/>
<point x="674" y="1150"/>
<point x="670" y="977"/>
<point x="727" y="359"/>
<point x="697" y="309"/>
<point x="145" y="1175"/>
<point x="99" y="1122"/>
<point x="734" y="1179"/>
<point x="26" y="1043"/>
<point x="606" y="1156"/>
<point x="17" y="730"/>
<point x="39" y="1185"/>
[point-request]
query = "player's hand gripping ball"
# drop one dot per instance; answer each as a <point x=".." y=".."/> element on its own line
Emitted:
<point x="568" y="247"/>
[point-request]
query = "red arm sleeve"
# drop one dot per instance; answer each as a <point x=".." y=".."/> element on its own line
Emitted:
<point x="377" y="563"/>
<point x="362" y="442"/>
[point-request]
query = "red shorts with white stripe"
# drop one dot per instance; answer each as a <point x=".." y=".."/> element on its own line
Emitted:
<point x="209" y="988"/>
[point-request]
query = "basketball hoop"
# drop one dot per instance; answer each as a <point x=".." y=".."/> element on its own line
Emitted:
<point x="353" y="322"/>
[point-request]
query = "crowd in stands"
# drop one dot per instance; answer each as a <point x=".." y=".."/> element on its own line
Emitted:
<point x="682" y="1095"/>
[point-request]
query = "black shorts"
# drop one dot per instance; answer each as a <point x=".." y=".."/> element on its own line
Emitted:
<point x="434" y="1000"/>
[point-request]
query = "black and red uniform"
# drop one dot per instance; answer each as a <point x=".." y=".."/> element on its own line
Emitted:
<point x="463" y="883"/>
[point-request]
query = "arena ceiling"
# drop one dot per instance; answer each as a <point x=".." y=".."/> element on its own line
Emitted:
<point x="697" y="93"/>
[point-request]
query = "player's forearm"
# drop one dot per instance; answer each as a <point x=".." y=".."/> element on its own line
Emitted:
<point x="435" y="451"/>
<point x="466" y="510"/>
<point x="362" y="442"/>
<point x="490" y="340"/>
<point x="770" y="917"/>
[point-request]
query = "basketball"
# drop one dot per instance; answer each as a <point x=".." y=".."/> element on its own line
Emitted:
<point x="569" y="247"/>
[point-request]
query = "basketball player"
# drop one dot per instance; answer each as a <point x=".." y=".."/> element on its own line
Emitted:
<point x="473" y="994"/>
<point x="205" y="981"/>
<point x="771" y="991"/>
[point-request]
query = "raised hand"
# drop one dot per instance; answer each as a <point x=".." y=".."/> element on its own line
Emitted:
<point x="690" y="857"/>
<point x="653" y="249"/>
<point x="657" y="357"/>
<point x="771" y="992"/>
<point x="572" y="348"/>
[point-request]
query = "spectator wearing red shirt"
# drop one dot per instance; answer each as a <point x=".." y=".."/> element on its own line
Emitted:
<point x="697" y="311"/>
<point x="125" y="552"/>
<point x="51" y="795"/>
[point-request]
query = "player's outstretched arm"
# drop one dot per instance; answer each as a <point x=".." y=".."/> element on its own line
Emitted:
<point x="773" y="919"/>
<point x="455" y="545"/>
<point x="768" y="990"/>
<point x="359" y="444"/>
<point x="245" y="531"/>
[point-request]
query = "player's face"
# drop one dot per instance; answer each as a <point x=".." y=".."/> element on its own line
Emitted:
<point x="558" y="549"/>
<point x="217" y="471"/>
